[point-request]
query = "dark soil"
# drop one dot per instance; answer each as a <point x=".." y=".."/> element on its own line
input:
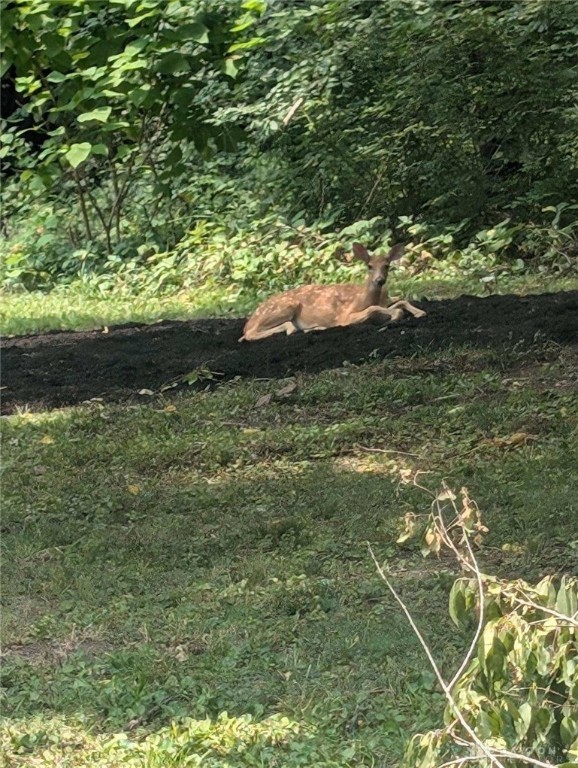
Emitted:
<point x="66" y="368"/>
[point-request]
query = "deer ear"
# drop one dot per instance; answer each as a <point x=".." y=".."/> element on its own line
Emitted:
<point x="361" y="252"/>
<point x="396" y="252"/>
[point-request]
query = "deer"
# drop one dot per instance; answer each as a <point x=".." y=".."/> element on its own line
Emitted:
<point x="318" y="307"/>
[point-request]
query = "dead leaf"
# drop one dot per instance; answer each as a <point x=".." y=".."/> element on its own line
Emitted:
<point x="405" y="475"/>
<point x="433" y="542"/>
<point x="180" y="653"/>
<point x="170" y="408"/>
<point x="519" y="438"/>
<point x="263" y="400"/>
<point x="287" y="389"/>
<point x="134" y="489"/>
<point x="513" y="441"/>
<point x="145" y="392"/>
<point x="40" y="470"/>
<point x="46" y="440"/>
<point x="409" y="528"/>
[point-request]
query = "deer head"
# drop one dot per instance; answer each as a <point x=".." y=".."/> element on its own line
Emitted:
<point x="378" y="266"/>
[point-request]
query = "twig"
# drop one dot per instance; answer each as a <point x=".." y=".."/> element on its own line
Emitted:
<point x="480" y="627"/>
<point x="505" y="753"/>
<point x="294" y="107"/>
<point x="531" y="604"/>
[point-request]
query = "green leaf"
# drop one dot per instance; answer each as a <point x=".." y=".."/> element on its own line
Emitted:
<point x="495" y="658"/>
<point x="52" y="43"/>
<point x="522" y="723"/>
<point x="256" y="6"/>
<point x="78" y="153"/>
<point x="484" y="725"/>
<point x="567" y="599"/>
<point x="229" y="67"/>
<point x="195" y="31"/>
<point x="172" y="63"/>
<point x="457" y="604"/>
<point x="101" y="115"/>
<point x="138" y="96"/>
<point x="137" y="19"/>
<point x="247" y="45"/>
<point x="56" y="77"/>
<point x="543" y="720"/>
<point x="568" y="730"/>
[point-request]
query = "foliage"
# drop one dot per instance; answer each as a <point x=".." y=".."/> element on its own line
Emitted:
<point x="146" y="128"/>
<point x="515" y="695"/>
<point x="434" y="109"/>
<point x="119" y="91"/>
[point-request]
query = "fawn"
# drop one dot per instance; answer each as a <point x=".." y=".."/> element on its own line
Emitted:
<point x="317" y="307"/>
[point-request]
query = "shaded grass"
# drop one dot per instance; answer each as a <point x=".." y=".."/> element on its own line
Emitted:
<point x="207" y="555"/>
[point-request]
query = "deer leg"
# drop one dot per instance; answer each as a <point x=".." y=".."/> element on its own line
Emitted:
<point x="289" y="327"/>
<point x="308" y="328"/>
<point x="286" y="321"/>
<point x="360" y="317"/>
<point x="300" y="326"/>
<point x="408" y="308"/>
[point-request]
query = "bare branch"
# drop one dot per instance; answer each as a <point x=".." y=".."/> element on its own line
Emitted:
<point x="451" y="701"/>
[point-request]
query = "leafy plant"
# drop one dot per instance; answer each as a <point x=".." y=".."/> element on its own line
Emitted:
<point x="117" y="91"/>
<point x="514" y="698"/>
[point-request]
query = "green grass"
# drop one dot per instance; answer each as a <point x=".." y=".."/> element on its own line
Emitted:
<point x="190" y="578"/>
<point x="78" y="307"/>
<point x="82" y="307"/>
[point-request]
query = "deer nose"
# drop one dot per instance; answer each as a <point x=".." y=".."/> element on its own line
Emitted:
<point x="380" y="281"/>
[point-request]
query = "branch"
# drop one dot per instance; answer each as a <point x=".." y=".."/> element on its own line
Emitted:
<point x="472" y="565"/>
<point x="455" y="709"/>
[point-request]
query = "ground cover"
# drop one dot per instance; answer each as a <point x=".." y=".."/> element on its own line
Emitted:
<point x="193" y="553"/>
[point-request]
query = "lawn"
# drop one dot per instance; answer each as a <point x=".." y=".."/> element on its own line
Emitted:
<point x="82" y="307"/>
<point x="187" y="582"/>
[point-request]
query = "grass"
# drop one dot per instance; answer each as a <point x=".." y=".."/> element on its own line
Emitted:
<point x="187" y="582"/>
<point x="82" y="307"/>
<point x="79" y="307"/>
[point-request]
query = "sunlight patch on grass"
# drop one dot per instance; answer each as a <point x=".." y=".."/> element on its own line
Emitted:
<point x="81" y="307"/>
<point x="191" y="742"/>
<point x="78" y="308"/>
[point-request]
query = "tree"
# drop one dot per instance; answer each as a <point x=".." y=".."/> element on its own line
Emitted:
<point x="121" y="90"/>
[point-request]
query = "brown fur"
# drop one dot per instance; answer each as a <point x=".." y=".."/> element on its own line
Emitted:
<point x="317" y="307"/>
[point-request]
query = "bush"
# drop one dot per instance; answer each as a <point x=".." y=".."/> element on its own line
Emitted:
<point x="514" y="699"/>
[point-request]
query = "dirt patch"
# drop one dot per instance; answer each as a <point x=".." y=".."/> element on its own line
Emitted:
<point x="66" y="368"/>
